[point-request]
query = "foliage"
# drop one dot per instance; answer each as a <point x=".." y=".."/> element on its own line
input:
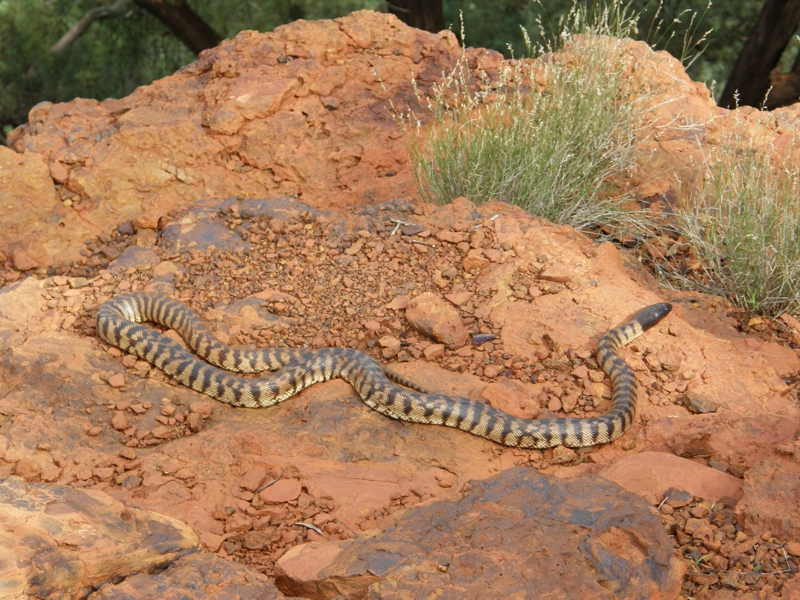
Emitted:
<point x="663" y="24"/>
<point x="728" y="25"/>
<point x="549" y="141"/>
<point x="111" y="60"/>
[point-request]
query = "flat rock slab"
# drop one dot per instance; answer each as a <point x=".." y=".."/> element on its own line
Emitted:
<point x="59" y="540"/>
<point x="518" y="534"/>
<point x="651" y="474"/>
<point x="194" y="577"/>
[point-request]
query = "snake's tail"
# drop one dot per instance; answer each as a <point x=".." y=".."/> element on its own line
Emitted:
<point x="405" y="382"/>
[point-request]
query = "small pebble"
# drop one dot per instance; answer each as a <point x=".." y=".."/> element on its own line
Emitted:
<point x="117" y="381"/>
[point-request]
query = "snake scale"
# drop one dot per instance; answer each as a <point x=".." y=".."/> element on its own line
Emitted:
<point x="118" y="324"/>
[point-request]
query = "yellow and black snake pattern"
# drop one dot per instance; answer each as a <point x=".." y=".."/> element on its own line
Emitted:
<point x="118" y="324"/>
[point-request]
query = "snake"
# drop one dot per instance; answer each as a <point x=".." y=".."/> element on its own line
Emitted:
<point x="119" y="319"/>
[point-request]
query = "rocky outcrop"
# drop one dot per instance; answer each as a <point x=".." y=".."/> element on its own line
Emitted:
<point x="59" y="541"/>
<point x="185" y="187"/>
<point x="305" y="110"/>
<point x="193" y="577"/>
<point x="516" y="534"/>
<point x="308" y="110"/>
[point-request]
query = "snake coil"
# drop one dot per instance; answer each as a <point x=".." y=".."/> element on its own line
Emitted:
<point x="118" y="324"/>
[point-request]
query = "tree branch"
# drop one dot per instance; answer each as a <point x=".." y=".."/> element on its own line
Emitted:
<point x="183" y="22"/>
<point x="96" y="14"/>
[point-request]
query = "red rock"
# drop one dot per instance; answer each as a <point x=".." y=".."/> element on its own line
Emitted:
<point x="117" y="380"/>
<point x="438" y="319"/>
<point x="473" y="530"/>
<point x="474" y="261"/>
<point x="651" y="474"/>
<point x="147" y="221"/>
<point x="211" y="541"/>
<point x="50" y="473"/>
<point x="103" y="473"/>
<point x="446" y="479"/>
<point x="281" y="491"/>
<point x="22" y="301"/>
<point x="257" y="540"/>
<point x="110" y="252"/>
<point x="253" y="479"/>
<point x="492" y="371"/>
<point x="94" y="431"/>
<point x="119" y="421"/>
<point x="298" y="571"/>
<point x="492" y="254"/>
<point x="433" y="351"/>
<point x="195" y="422"/>
<point x="693" y="525"/>
<point x="23" y="261"/>
<point x="459" y="298"/>
<point x="323" y="519"/>
<point x="372" y="326"/>
<point x="161" y="432"/>
<point x="238" y="523"/>
<point x="766" y="504"/>
<point x="451" y="237"/>
<point x="399" y="303"/>
<point x="92" y="538"/>
<point x="28" y="468"/>
<point x="201" y="408"/>
<point x="153" y="480"/>
<point x="580" y="372"/>
<point x="389" y="341"/>
<point x="184" y="473"/>
<point x="554" y="404"/>
<point x="563" y="455"/>
<point x="194" y="576"/>
<point x="58" y="171"/>
<point x="439" y="281"/>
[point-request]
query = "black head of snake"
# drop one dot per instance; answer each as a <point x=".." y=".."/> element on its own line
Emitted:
<point x="118" y="324"/>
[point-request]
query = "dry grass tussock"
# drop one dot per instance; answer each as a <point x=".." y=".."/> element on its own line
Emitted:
<point x="743" y="224"/>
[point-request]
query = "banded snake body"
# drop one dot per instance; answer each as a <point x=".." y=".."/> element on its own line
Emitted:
<point x="118" y="323"/>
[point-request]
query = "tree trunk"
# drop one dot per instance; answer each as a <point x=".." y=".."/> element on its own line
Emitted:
<point x="762" y="51"/>
<point x="422" y="14"/>
<point x="184" y="23"/>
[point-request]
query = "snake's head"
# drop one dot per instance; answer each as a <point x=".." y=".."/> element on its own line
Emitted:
<point x="647" y="317"/>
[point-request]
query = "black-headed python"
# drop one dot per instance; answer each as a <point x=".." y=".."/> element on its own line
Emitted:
<point x="117" y="324"/>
